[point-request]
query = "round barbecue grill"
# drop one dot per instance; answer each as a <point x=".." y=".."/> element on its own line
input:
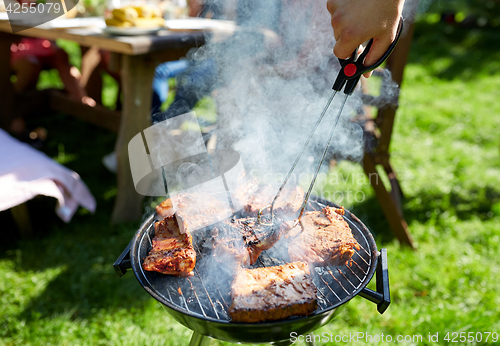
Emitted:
<point x="201" y="302"/>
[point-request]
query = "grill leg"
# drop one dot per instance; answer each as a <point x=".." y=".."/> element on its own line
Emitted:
<point x="199" y="340"/>
<point x="311" y="343"/>
<point x="288" y="342"/>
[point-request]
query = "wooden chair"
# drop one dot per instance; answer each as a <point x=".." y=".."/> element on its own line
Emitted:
<point x="378" y="154"/>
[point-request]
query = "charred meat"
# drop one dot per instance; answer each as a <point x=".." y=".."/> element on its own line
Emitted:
<point x="322" y="238"/>
<point x="229" y="245"/>
<point x="244" y="239"/>
<point x="200" y="210"/>
<point x="172" y="251"/>
<point x="245" y="187"/>
<point x="286" y="205"/>
<point x="272" y="293"/>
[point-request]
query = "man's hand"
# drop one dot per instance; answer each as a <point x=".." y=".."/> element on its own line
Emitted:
<point x="195" y="7"/>
<point x="357" y="21"/>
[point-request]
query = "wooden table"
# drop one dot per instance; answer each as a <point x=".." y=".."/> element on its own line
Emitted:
<point x="137" y="57"/>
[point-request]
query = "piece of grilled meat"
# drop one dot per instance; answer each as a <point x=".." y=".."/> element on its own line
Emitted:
<point x="200" y="210"/>
<point x="241" y="190"/>
<point x="286" y="205"/>
<point x="323" y="238"/>
<point x="272" y="293"/>
<point x="244" y="239"/>
<point x="172" y="251"/>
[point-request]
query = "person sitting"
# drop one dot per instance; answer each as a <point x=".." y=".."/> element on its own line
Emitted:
<point x="28" y="58"/>
<point x="289" y="57"/>
<point x="197" y="71"/>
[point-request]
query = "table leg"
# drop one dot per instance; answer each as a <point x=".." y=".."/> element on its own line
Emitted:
<point x="137" y="77"/>
<point x="21" y="217"/>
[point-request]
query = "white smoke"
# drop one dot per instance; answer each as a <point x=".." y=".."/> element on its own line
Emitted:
<point x="272" y="91"/>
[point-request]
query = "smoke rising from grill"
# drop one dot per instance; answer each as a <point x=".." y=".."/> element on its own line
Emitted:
<point x="274" y="87"/>
<point x="274" y="76"/>
<point x="274" y="79"/>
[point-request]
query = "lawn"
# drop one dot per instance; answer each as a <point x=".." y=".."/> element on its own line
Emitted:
<point x="59" y="288"/>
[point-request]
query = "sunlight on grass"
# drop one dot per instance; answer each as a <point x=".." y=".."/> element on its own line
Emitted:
<point x="62" y="157"/>
<point x="49" y="79"/>
<point x="110" y="194"/>
<point x="206" y="109"/>
<point x="19" y="288"/>
<point x="109" y="91"/>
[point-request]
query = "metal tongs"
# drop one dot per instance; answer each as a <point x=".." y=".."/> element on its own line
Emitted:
<point x="350" y="72"/>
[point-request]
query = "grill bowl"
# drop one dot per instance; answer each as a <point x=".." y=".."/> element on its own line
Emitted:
<point x="200" y="303"/>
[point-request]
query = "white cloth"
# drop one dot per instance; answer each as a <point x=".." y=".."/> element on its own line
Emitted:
<point x="26" y="173"/>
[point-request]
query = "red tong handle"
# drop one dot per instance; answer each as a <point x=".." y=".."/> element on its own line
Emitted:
<point x="352" y="68"/>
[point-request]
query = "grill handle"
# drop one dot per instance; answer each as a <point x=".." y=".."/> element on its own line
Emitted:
<point x="383" y="295"/>
<point x="123" y="263"/>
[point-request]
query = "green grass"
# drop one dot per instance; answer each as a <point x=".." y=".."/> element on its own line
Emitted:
<point x="58" y="287"/>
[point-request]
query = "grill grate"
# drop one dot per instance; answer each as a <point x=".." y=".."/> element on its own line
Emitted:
<point x="203" y="295"/>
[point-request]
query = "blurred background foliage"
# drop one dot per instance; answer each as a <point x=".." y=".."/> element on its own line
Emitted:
<point x="467" y="12"/>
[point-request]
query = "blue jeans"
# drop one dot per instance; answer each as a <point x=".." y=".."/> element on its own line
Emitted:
<point x="163" y="72"/>
<point x="197" y="81"/>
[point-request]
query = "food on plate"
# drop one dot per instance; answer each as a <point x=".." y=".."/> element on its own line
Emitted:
<point x="322" y="238"/>
<point x="201" y="210"/>
<point x="244" y="240"/>
<point x="172" y="252"/>
<point x="138" y="16"/>
<point x="125" y="14"/>
<point x="286" y="205"/>
<point x="118" y="23"/>
<point x="147" y="12"/>
<point x="148" y="22"/>
<point x="272" y="293"/>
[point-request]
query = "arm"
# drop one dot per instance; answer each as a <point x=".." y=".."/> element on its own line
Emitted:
<point x="195" y="7"/>
<point x="357" y="21"/>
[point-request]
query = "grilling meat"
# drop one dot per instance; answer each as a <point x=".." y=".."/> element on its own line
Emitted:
<point x="172" y="251"/>
<point x="244" y="239"/>
<point x="241" y="189"/>
<point x="326" y="238"/>
<point x="272" y="293"/>
<point x="286" y="206"/>
<point x="200" y="210"/>
<point x="228" y="245"/>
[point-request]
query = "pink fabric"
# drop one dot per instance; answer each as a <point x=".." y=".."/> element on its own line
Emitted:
<point x="26" y="173"/>
<point x="29" y="46"/>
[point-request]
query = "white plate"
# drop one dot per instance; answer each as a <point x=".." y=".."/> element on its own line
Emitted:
<point x="65" y="23"/>
<point x="133" y="31"/>
<point x="197" y="24"/>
